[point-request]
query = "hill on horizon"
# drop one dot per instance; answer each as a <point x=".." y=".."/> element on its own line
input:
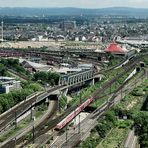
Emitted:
<point x="123" y="11"/>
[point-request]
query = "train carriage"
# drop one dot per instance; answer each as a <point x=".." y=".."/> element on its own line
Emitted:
<point x="72" y="115"/>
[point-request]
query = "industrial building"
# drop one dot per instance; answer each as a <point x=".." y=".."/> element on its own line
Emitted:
<point x="115" y="49"/>
<point x="34" y="67"/>
<point x="8" y="84"/>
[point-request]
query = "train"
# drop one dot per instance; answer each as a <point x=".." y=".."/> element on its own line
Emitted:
<point x="73" y="114"/>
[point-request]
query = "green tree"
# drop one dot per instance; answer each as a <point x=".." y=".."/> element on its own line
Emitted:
<point x="41" y="76"/>
<point x="141" y="124"/>
<point x="3" y="70"/>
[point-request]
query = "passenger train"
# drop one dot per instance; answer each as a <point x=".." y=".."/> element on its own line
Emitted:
<point x="72" y="115"/>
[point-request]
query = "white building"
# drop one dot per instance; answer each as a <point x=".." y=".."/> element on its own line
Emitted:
<point x="85" y="66"/>
<point x="8" y="84"/>
<point x="66" y="70"/>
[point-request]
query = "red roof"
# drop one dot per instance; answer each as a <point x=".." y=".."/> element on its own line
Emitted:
<point x="114" y="47"/>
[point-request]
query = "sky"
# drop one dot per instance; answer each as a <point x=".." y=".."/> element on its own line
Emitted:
<point x="75" y="3"/>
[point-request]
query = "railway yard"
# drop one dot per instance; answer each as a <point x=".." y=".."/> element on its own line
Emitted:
<point x="73" y="77"/>
<point x="58" y="93"/>
<point x="92" y="91"/>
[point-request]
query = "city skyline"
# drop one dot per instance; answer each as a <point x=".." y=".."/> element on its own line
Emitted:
<point x="74" y="3"/>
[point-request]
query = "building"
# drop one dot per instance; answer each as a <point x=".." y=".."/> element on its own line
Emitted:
<point x="34" y="67"/>
<point x="115" y="49"/>
<point x="68" y="25"/>
<point x="8" y="84"/>
<point x="85" y="66"/>
<point x="67" y="70"/>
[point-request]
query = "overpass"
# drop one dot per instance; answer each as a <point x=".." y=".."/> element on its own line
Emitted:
<point x="50" y="91"/>
<point x="65" y="83"/>
<point x="77" y="77"/>
<point x="72" y="80"/>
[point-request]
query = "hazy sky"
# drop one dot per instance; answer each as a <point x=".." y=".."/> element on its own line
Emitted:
<point x="74" y="3"/>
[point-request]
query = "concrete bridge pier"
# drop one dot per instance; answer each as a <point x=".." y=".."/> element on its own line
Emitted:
<point x="47" y="101"/>
<point x="64" y="91"/>
<point x="32" y="114"/>
<point x="92" y="82"/>
<point x="98" y="77"/>
<point x="56" y="97"/>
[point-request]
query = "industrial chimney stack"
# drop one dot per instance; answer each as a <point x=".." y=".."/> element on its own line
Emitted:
<point x="2" y="23"/>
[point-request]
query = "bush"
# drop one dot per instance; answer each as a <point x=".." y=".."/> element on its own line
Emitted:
<point x="124" y="124"/>
<point x="141" y="126"/>
<point x="46" y="77"/>
<point x="9" y="100"/>
<point x="137" y="92"/>
<point x="3" y="70"/>
<point x="102" y="129"/>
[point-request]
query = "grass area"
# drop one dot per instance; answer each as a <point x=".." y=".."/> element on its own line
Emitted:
<point x="92" y="140"/>
<point x="117" y="135"/>
<point x="132" y="103"/>
<point x="112" y="63"/>
<point x="111" y="90"/>
<point x="41" y="111"/>
<point x="91" y="89"/>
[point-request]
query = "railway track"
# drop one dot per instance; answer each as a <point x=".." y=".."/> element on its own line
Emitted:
<point x="53" y="123"/>
<point x="111" y="101"/>
<point x="13" y="141"/>
<point x="18" y="110"/>
<point x="24" y="78"/>
<point x="75" y="139"/>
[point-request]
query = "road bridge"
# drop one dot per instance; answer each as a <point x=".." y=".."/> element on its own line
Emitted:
<point x="73" y="136"/>
<point x="66" y="82"/>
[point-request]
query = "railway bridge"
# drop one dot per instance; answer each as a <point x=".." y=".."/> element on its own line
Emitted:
<point x="77" y="77"/>
<point x="72" y="80"/>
